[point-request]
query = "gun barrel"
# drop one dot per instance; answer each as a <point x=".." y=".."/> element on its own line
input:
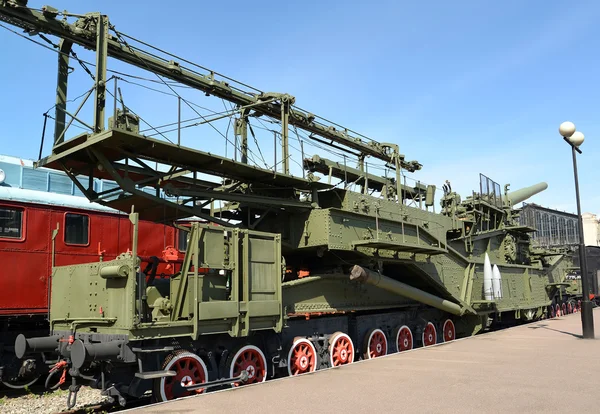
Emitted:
<point x="515" y="197"/>
<point x="394" y="286"/>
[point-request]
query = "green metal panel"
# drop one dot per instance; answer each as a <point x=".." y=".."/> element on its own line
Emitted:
<point x="336" y="293"/>
<point x="240" y="293"/>
<point x="81" y="295"/>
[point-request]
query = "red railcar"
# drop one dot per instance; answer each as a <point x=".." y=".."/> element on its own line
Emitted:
<point x="85" y="231"/>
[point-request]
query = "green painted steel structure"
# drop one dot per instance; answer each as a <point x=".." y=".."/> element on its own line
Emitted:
<point x="305" y="260"/>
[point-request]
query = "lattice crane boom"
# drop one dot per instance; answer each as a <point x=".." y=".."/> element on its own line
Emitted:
<point x="92" y="31"/>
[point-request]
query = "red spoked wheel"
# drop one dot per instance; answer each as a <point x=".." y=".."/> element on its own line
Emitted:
<point x="404" y="338"/>
<point x="449" y="331"/>
<point x="341" y="349"/>
<point x="189" y="369"/>
<point x="375" y="344"/>
<point x="251" y="359"/>
<point x="579" y="306"/>
<point x="557" y="309"/>
<point x="302" y="357"/>
<point x="570" y="307"/>
<point x="552" y="312"/>
<point x="429" y="335"/>
<point x="564" y="309"/>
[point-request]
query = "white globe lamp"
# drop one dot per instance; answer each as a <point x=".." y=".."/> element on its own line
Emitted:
<point x="576" y="138"/>
<point x="566" y="129"/>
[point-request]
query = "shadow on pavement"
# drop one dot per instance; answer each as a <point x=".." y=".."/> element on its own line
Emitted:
<point x="545" y="326"/>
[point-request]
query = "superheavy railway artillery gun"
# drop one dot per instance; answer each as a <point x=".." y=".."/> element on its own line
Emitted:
<point x="291" y="273"/>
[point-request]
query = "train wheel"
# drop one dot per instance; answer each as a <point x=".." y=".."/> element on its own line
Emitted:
<point x="20" y="383"/>
<point x="189" y="369"/>
<point x="449" y="331"/>
<point x="429" y="335"/>
<point x="404" y="338"/>
<point x="563" y="309"/>
<point x="570" y="307"/>
<point x="375" y="344"/>
<point x="17" y="374"/>
<point x="552" y="312"/>
<point x="302" y="357"/>
<point x="341" y="349"/>
<point x="557" y="310"/>
<point x="251" y="359"/>
<point x="579" y="306"/>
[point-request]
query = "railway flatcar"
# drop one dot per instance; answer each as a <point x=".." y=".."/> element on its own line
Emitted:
<point x="292" y="273"/>
<point x="41" y="229"/>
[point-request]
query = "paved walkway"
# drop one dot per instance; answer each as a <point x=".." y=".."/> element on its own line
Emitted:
<point x="542" y="367"/>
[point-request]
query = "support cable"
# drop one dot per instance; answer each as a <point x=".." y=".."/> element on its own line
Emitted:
<point x="189" y="62"/>
<point x="142" y="119"/>
<point x="118" y="34"/>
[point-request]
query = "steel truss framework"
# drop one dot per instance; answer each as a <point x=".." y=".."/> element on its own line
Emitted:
<point x="118" y="151"/>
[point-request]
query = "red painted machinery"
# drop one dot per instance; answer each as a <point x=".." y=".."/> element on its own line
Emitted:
<point x="82" y="232"/>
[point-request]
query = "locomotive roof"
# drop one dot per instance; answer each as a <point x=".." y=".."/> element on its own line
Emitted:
<point x="9" y="159"/>
<point x="20" y="195"/>
<point x="53" y="199"/>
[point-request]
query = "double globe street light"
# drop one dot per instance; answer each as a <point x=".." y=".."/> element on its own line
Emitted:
<point x="575" y="138"/>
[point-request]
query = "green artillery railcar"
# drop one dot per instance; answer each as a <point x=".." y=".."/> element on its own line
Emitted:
<point x="241" y="311"/>
<point x="293" y="273"/>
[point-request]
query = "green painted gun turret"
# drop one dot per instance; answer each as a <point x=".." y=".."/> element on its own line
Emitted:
<point x="515" y="197"/>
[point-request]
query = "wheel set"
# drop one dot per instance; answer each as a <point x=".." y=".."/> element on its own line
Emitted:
<point x="566" y="308"/>
<point x="404" y="338"/>
<point x="375" y="344"/>
<point x="303" y="356"/>
<point x="251" y="359"/>
<point x="188" y="368"/>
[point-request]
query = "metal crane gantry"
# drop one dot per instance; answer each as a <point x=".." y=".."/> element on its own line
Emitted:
<point x="78" y="156"/>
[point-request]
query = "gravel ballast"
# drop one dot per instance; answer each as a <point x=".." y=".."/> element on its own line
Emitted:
<point x="49" y="402"/>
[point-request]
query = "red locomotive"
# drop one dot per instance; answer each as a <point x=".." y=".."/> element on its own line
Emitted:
<point x="83" y="231"/>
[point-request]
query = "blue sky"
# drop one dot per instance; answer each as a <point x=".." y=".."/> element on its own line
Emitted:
<point x="463" y="87"/>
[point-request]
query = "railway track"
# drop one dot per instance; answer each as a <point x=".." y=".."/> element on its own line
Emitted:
<point x="29" y="400"/>
<point x="109" y="407"/>
<point x="38" y="400"/>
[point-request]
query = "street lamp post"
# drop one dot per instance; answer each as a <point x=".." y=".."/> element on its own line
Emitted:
<point x="575" y="139"/>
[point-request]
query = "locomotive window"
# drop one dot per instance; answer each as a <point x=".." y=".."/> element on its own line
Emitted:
<point x="182" y="242"/>
<point x="11" y="222"/>
<point x="76" y="229"/>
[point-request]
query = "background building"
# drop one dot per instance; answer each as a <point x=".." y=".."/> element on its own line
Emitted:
<point x="19" y="173"/>
<point x="557" y="228"/>
<point x="554" y="228"/>
<point x="591" y="229"/>
<point x="16" y="172"/>
<point x="560" y="229"/>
